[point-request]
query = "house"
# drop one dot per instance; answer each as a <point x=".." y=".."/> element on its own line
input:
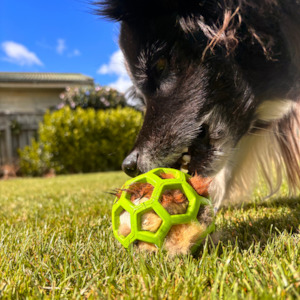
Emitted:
<point x="24" y="98"/>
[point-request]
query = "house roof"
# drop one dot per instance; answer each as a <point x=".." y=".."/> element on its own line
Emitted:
<point x="16" y="79"/>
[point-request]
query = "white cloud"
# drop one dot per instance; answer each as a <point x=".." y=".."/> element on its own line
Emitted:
<point x="75" y="52"/>
<point x="116" y="66"/>
<point x="19" y="54"/>
<point x="61" y="46"/>
<point x="122" y="84"/>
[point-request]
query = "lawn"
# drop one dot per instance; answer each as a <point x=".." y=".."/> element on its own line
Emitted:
<point x="56" y="242"/>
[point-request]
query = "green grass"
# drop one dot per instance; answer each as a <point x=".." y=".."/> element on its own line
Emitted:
<point x="56" y="242"/>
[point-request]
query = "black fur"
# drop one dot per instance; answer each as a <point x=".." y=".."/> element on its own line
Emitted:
<point x="203" y="67"/>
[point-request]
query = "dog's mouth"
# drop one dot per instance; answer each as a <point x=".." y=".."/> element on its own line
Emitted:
<point x="183" y="163"/>
<point x="197" y="156"/>
<point x="194" y="160"/>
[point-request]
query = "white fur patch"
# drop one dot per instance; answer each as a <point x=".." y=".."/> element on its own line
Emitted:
<point x="125" y="219"/>
<point x="256" y="153"/>
<point x="274" y="110"/>
<point x="236" y="180"/>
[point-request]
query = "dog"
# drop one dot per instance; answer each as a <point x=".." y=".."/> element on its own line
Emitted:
<point x="220" y="83"/>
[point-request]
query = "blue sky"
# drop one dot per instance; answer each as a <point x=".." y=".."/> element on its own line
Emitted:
<point x="60" y="36"/>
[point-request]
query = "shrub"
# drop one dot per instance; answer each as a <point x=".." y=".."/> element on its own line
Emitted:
<point x="34" y="160"/>
<point x="93" y="97"/>
<point x="72" y="141"/>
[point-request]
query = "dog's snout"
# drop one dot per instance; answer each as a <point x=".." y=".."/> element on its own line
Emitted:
<point x="130" y="164"/>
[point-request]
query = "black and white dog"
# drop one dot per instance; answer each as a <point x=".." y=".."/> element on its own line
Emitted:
<point x="220" y="81"/>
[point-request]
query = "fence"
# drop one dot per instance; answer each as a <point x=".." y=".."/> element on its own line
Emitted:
<point x="16" y="131"/>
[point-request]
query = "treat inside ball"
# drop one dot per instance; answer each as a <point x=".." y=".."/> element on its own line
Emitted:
<point x="163" y="208"/>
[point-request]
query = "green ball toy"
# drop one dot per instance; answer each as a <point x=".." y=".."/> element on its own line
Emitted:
<point x="179" y="182"/>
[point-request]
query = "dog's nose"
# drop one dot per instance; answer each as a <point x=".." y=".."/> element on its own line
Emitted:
<point x="129" y="165"/>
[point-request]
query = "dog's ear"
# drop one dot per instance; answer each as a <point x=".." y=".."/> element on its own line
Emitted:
<point x="126" y="10"/>
<point x="116" y="10"/>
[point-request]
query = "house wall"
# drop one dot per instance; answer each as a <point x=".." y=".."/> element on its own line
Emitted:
<point x="27" y="100"/>
<point x="26" y="106"/>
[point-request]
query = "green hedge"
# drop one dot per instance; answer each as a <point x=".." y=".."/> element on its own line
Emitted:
<point x="81" y="140"/>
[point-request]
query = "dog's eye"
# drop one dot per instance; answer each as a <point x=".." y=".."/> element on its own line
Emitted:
<point x="161" y="65"/>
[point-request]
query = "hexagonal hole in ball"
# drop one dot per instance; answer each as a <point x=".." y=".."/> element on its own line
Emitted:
<point x="174" y="200"/>
<point x="139" y="192"/>
<point x="124" y="223"/>
<point x="178" y="241"/>
<point x="149" y="221"/>
<point x="145" y="246"/>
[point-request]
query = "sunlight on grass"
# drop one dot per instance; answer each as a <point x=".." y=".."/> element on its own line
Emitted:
<point x="56" y="241"/>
